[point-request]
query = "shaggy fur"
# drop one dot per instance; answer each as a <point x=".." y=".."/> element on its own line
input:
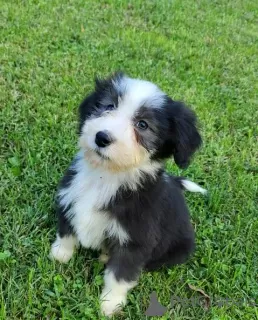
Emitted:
<point x="116" y="196"/>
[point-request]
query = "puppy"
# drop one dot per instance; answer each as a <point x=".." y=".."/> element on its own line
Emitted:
<point x="116" y="194"/>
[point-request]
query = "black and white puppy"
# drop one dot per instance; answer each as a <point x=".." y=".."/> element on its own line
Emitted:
<point x="116" y="194"/>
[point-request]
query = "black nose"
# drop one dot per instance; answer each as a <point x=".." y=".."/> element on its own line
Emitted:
<point x="103" y="139"/>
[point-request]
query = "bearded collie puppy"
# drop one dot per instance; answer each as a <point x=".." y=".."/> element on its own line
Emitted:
<point x="116" y="196"/>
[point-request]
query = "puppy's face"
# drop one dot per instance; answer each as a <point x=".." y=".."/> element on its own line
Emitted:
<point x="126" y="123"/>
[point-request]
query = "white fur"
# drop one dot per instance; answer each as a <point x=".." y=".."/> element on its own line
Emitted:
<point x="118" y="125"/>
<point x="90" y="190"/>
<point x="62" y="249"/>
<point x="193" y="187"/>
<point x="136" y="93"/>
<point x="114" y="294"/>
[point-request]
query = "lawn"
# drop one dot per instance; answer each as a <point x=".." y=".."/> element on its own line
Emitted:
<point x="202" y="52"/>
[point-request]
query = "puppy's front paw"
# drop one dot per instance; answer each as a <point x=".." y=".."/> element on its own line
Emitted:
<point x="112" y="303"/>
<point x="62" y="249"/>
<point x="60" y="254"/>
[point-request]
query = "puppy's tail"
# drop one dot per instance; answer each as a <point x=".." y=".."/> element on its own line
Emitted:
<point x="189" y="185"/>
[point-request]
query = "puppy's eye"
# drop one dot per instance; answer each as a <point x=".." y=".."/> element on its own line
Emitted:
<point x="142" y="125"/>
<point x="109" y="107"/>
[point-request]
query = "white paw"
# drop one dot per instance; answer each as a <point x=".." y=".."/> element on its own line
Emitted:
<point x="60" y="254"/>
<point x="62" y="249"/>
<point x="111" y="303"/>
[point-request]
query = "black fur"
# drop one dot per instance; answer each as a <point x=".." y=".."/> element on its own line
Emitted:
<point x="178" y="133"/>
<point x="157" y="220"/>
<point x="64" y="226"/>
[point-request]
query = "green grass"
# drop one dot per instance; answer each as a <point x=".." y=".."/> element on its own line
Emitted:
<point x="203" y="52"/>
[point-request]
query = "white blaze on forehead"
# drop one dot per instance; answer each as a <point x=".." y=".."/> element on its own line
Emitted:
<point x="135" y="93"/>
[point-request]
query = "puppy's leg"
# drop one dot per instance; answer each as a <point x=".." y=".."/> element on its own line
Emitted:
<point x="114" y="294"/>
<point x="63" y="247"/>
<point x="121" y="275"/>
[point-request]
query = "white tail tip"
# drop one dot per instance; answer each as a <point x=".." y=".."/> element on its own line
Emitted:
<point x="193" y="187"/>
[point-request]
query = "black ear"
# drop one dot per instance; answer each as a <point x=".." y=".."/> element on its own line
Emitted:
<point x="185" y="136"/>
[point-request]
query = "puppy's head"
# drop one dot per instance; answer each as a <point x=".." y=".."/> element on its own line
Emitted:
<point x="126" y="123"/>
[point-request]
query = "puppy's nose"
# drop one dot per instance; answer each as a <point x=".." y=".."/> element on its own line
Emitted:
<point x="103" y="139"/>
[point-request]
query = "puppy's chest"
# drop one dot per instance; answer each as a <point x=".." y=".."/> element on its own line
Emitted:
<point x="89" y="194"/>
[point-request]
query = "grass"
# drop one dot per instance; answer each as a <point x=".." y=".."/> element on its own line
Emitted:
<point x="203" y="52"/>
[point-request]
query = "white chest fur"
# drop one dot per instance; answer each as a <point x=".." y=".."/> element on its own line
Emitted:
<point x="89" y="191"/>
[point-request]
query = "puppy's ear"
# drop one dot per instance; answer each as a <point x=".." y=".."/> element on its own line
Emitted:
<point x="185" y="136"/>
